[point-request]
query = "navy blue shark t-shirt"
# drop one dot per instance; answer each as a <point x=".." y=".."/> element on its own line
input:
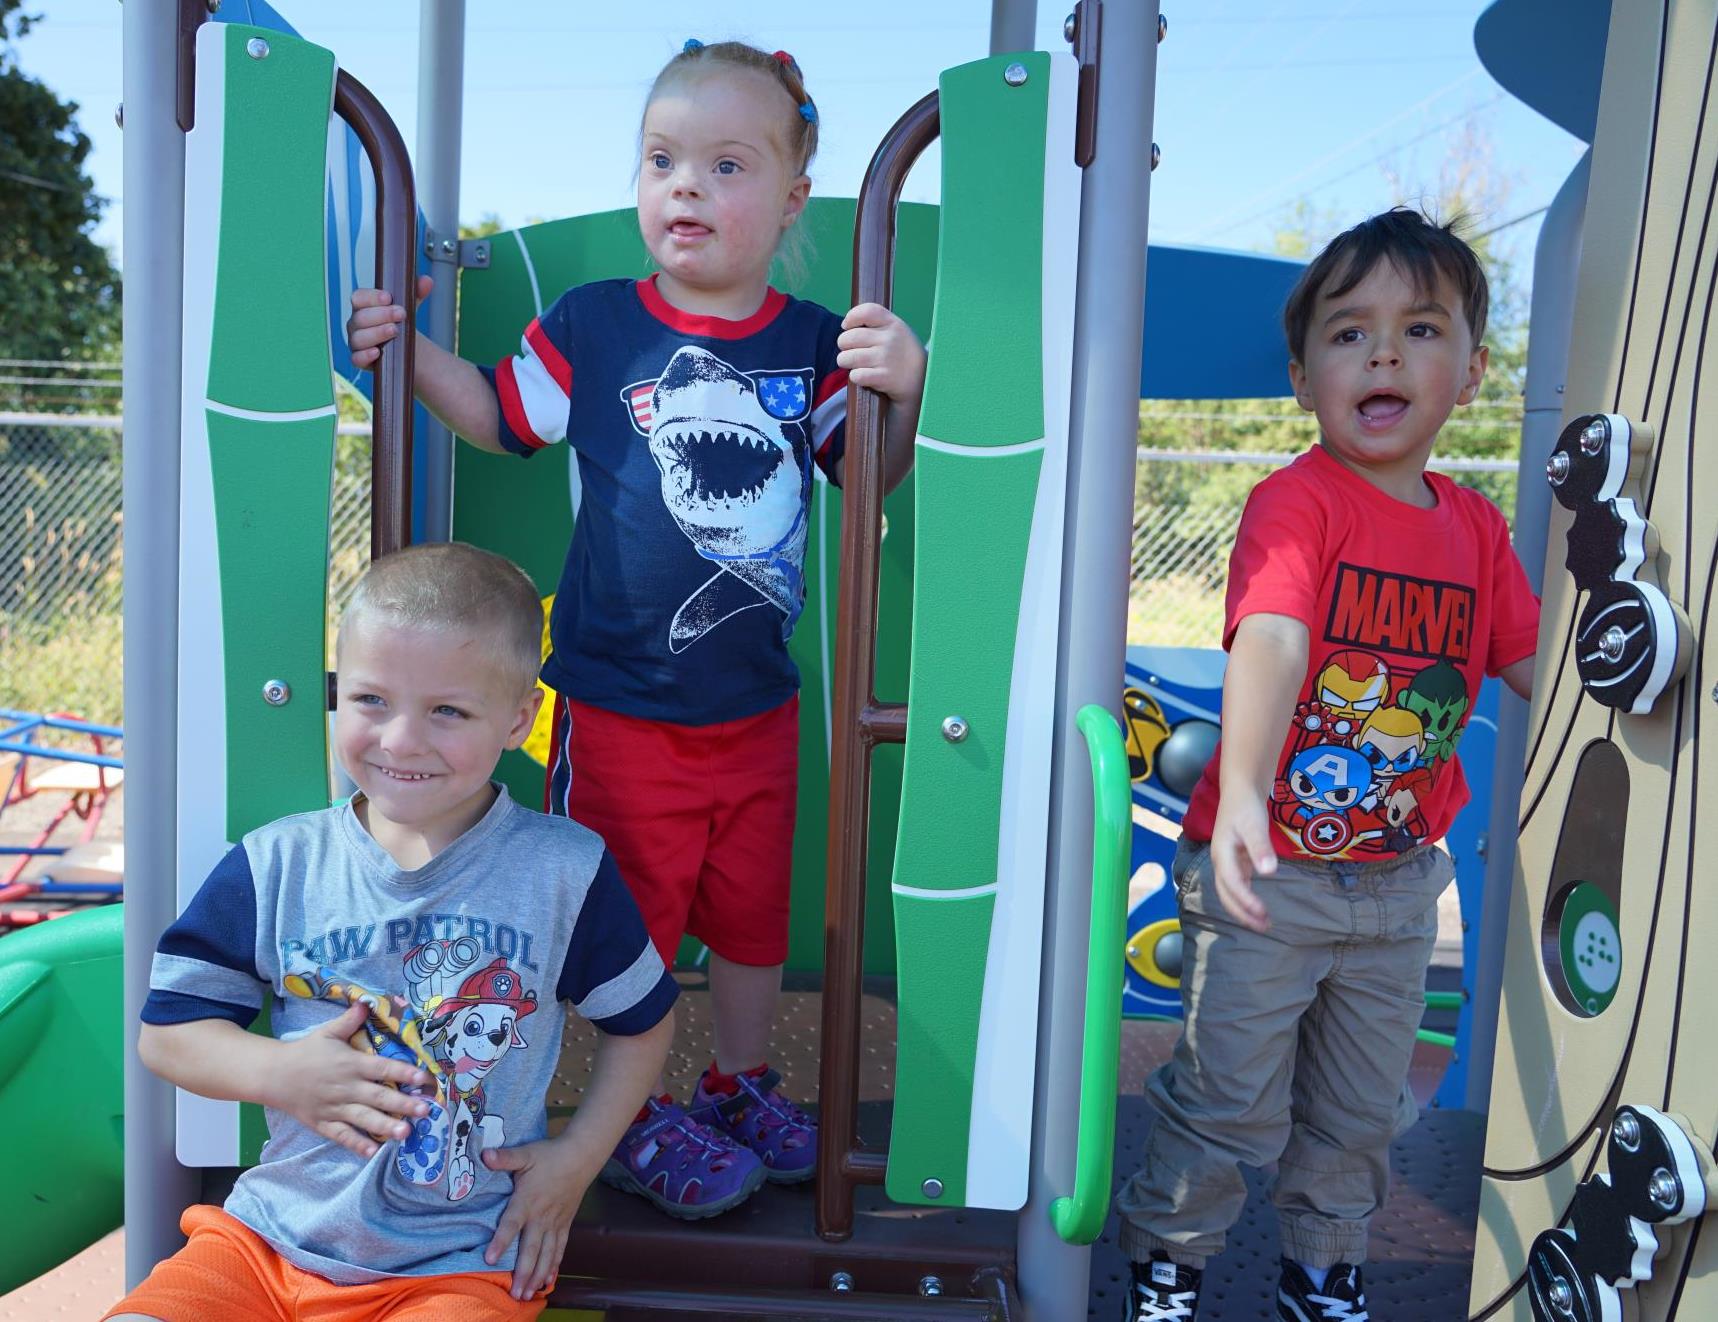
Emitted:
<point x="693" y="440"/>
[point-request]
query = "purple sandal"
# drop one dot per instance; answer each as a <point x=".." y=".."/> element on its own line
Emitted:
<point x="761" y="1120"/>
<point x="679" y="1165"/>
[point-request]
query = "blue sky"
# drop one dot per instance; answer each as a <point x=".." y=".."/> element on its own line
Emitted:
<point x="1260" y="104"/>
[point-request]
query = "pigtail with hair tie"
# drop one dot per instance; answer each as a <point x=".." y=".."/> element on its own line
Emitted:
<point x="807" y="111"/>
<point x="692" y="46"/>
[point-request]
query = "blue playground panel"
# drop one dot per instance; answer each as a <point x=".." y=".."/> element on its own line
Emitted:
<point x="1172" y="704"/>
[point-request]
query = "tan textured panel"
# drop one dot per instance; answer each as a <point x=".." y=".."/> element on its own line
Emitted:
<point x="795" y="1048"/>
<point x="1641" y="348"/>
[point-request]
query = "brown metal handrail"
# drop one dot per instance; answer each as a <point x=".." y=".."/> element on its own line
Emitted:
<point x="396" y="245"/>
<point x="859" y="721"/>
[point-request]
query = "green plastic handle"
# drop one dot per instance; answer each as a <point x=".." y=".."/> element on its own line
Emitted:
<point x="1080" y="1218"/>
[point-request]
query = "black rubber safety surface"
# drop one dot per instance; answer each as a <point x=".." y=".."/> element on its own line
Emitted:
<point x="1421" y="1249"/>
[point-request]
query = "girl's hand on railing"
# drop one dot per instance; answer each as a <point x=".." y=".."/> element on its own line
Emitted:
<point x="376" y="319"/>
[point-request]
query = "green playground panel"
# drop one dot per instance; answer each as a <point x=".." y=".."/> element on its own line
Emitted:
<point x="523" y="510"/>
<point x="272" y="476"/>
<point x="975" y="512"/>
<point x="65" y="1051"/>
<point x="989" y="367"/>
<point x="983" y="390"/>
<point x="271" y="519"/>
<point x="273" y="183"/>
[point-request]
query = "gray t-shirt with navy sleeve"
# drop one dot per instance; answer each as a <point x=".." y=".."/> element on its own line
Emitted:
<point x="464" y="964"/>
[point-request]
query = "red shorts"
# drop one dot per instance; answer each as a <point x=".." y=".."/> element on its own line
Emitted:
<point x="698" y="817"/>
<point x="227" y="1270"/>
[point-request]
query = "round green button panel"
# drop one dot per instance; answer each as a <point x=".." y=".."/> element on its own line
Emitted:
<point x="1591" y="946"/>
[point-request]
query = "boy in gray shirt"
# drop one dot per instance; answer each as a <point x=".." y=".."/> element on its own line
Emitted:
<point x="414" y="946"/>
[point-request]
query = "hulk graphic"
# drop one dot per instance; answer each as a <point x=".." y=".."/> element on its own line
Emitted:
<point x="1438" y="696"/>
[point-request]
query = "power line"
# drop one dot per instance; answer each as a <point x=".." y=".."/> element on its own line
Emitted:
<point x="1498" y="229"/>
<point x="1391" y="16"/>
<point x="1275" y="189"/>
<point x="34" y="182"/>
<point x="1369" y="62"/>
<point x="1364" y="165"/>
<point x="1311" y="35"/>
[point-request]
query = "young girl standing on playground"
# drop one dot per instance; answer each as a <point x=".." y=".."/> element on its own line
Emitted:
<point x="697" y="401"/>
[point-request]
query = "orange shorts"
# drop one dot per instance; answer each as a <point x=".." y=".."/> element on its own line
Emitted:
<point x="227" y="1270"/>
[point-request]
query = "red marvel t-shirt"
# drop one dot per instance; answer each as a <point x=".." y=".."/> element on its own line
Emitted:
<point x="1408" y="610"/>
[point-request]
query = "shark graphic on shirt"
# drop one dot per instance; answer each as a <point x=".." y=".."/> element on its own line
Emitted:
<point x="735" y="478"/>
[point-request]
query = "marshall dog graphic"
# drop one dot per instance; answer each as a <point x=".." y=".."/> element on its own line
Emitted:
<point x="733" y="454"/>
<point x="456" y="1024"/>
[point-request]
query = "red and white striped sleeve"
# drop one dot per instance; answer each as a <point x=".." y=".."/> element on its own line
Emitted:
<point x="828" y="421"/>
<point x="534" y="387"/>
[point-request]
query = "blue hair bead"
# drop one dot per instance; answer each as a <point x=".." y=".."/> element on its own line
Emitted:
<point x="692" y="44"/>
<point x="808" y="113"/>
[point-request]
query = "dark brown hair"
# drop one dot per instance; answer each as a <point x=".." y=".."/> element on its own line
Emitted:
<point x="1420" y="249"/>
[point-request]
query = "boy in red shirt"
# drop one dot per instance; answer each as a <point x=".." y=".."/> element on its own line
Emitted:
<point x="1367" y="599"/>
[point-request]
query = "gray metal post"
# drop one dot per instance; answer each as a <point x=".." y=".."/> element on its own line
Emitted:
<point x="441" y="103"/>
<point x="1013" y="25"/>
<point x="157" y="1187"/>
<point x="1103" y="433"/>
<point x="1556" y="261"/>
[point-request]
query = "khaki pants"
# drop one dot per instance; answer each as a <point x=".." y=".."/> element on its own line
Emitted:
<point x="1295" y="1049"/>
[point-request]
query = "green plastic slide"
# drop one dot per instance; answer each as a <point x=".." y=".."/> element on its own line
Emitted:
<point x="65" y="1089"/>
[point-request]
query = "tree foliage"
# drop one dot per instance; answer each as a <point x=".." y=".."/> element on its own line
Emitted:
<point x="59" y="290"/>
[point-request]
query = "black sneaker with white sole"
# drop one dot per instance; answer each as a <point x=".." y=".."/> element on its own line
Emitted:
<point x="1341" y="1299"/>
<point x="1163" y="1291"/>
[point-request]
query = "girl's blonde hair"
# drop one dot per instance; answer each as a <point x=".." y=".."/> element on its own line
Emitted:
<point x="799" y="138"/>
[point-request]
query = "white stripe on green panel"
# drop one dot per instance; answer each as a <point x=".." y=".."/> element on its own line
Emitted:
<point x="820" y="488"/>
<point x="980" y="451"/>
<point x="999" y="1141"/>
<point x="207" y="1131"/>
<point x="927" y="893"/>
<point x="364" y="245"/>
<point x="340" y="216"/>
<point x="261" y="415"/>
<point x="531" y="272"/>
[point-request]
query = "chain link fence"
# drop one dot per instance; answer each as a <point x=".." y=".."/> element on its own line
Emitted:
<point x="61" y="563"/>
<point x="1187" y="506"/>
<point x="60" y="548"/>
